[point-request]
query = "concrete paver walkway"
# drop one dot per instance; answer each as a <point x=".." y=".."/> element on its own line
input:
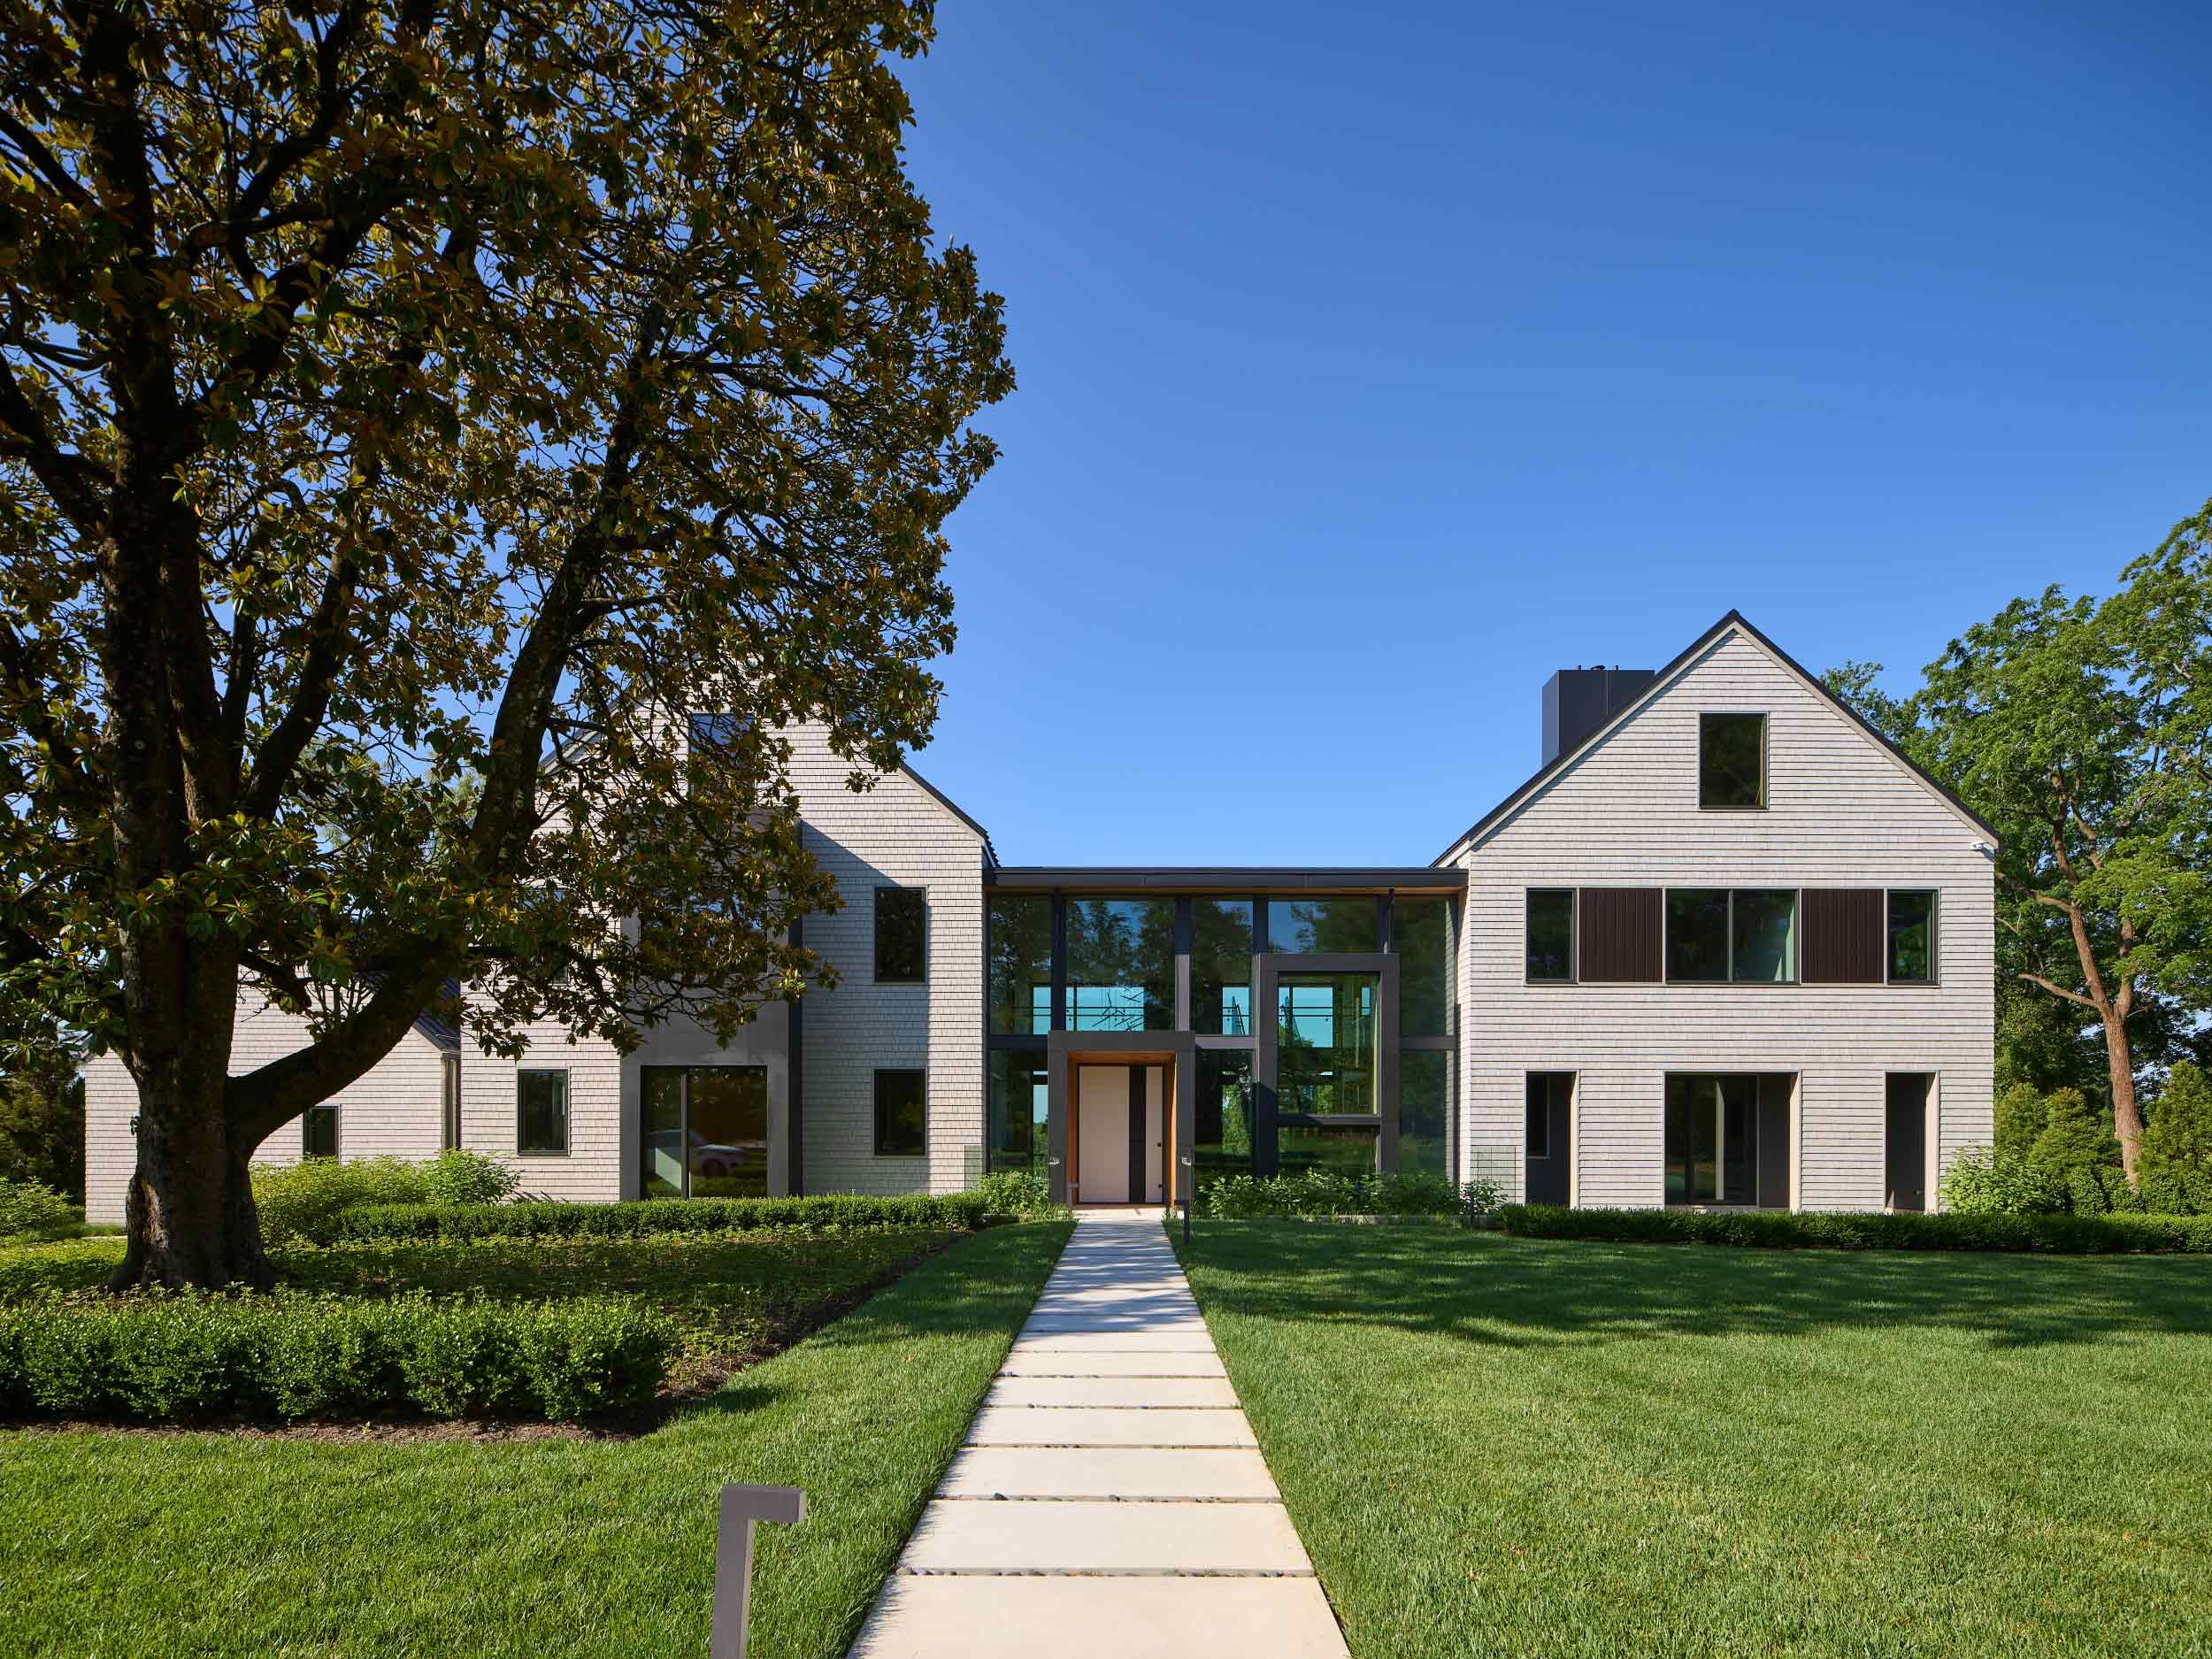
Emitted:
<point x="1111" y="1502"/>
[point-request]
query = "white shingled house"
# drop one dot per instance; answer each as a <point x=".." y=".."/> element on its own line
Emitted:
<point x="1726" y="947"/>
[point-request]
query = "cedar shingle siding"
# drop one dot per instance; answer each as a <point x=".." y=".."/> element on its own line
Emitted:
<point x="1842" y="936"/>
<point x="1620" y="935"/>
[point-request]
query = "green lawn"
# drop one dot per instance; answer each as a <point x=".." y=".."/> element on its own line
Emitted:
<point x="1495" y="1445"/>
<point x="736" y="1297"/>
<point x="176" y="1544"/>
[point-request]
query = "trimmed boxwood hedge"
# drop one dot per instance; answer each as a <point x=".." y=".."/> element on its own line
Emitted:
<point x="1779" y="1229"/>
<point x="645" y="1217"/>
<point x="158" y="1358"/>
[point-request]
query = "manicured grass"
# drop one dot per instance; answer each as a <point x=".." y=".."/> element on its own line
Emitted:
<point x="1500" y="1446"/>
<point x="736" y="1296"/>
<point x="209" y="1544"/>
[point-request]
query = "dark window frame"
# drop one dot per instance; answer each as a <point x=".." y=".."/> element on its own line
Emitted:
<point x="684" y="1074"/>
<point x="1935" y="938"/>
<point x="1573" y="975"/>
<point x="921" y="974"/>
<point x="919" y="1073"/>
<point x="1765" y="752"/>
<point x="568" y="1127"/>
<point x="1728" y="976"/>
<point x="337" y="1131"/>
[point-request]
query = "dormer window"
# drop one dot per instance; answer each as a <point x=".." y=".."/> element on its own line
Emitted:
<point x="1731" y="761"/>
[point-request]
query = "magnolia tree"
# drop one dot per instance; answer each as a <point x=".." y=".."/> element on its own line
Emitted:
<point x="2082" y="729"/>
<point x="409" y="412"/>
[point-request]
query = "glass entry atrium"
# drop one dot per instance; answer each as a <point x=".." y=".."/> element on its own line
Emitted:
<point x="1314" y="1027"/>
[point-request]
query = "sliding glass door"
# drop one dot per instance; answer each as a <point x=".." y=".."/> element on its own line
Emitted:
<point x="704" y="1131"/>
<point x="1712" y="1138"/>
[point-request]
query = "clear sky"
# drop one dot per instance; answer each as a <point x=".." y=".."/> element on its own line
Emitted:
<point x="1376" y="360"/>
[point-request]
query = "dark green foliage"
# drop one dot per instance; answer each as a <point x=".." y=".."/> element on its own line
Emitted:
<point x="2022" y="1110"/>
<point x="27" y="1208"/>
<point x="1779" y="1229"/>
<point x="1023" y="1193"/>
<point x="2179" y="1133"/>
<point x="163" y="1358"/>
<point x="2073" y="1141"/>
<point x="659" y="1216"/>
<point x="41" y="1121"/>
<point x="1327" y="1193"/>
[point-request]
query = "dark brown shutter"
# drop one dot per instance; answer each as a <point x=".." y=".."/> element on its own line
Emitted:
<point x="1620" y="935"/>
<point x="1840" y="936"/>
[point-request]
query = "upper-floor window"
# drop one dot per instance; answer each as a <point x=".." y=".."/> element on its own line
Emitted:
<point x="1020" y="959"/>
<point x="1715" y="935"/>
<point x="707" y="732"/>
<point x="1912" y="936"/>
<point x="1551" y="935"/>
<point x="1732" y="760"/>
<point x="901" y="936"/>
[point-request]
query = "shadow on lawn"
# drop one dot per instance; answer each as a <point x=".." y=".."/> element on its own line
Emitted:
<point x="1485" y="1288"/>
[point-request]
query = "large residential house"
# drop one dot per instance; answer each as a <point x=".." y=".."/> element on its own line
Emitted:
<point x="1726" y="947"/>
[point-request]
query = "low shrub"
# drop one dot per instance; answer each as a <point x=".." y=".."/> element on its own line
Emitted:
<point x="1779" y="1229"/>
<point x="168" y="1358"/>
<point x="1018" y="1193"/>
<point x="302" y="1201"/>
<point x="459" y="1176"/>
<point x="25" y="1207"/>
<point x="1982" y="1182"/>
<point x="534" y="1220"/>
<point x="1314" y="1193"/>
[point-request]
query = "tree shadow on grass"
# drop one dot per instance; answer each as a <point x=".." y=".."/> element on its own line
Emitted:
<point x="1490" y="1288"/>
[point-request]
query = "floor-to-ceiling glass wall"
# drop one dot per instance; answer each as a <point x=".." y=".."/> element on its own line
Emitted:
<point x="705" y="1131"/>
<point x="1121" y="964"/>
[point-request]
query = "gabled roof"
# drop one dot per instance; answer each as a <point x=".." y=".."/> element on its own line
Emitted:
<point x="1666" y="676"/>
<point x="442" y="1033"/>
<point x="990" y="853"/>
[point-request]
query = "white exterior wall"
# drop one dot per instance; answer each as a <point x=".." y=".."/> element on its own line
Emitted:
<point x="395" y="1109"/>
<point x="1841" y="811"/>
<point x="593" y="1166"/>
<point x="895" y="835"/>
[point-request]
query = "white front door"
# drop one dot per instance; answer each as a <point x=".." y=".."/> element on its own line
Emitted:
<point x="1102" y="1117"/>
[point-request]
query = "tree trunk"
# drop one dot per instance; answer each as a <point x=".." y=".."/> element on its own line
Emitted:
<point x="2127" y="1116"/>
<point x="189" y="1217"/>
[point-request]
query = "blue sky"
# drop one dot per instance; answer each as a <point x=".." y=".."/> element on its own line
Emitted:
<point x="1377" y="360"/>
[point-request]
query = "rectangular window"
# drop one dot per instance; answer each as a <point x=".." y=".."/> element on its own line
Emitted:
<point x="1325" y="1044"/>
<point x="1421" y="937"/>
<point x="540" y="1113"/>
<point x="704" y="1131"/>
<point x="901" y="936"/>
<point x="899" y="1114"/>
<point x="1715" y="935"/>
<point x="1318" y="926"/>
<point x="318" y="1131"/>
<point x="1551" y="935"/>
<point x="1763" y="937"/>
<point x="1712" y="1138"/>
<point x="1697" y="935"/>
<point x="1732" y="760"/>
<point x="1340" y="1149"/>
<point x="1121" y="964"/>
<point x="1221" y="1129"/>
<point x="1021" y="964"/>
<point x="1019" y="1095"/>
<point x="1221" y="966"/>
<point x="1425" y="1102"/>
<point x="1912" y="936"/>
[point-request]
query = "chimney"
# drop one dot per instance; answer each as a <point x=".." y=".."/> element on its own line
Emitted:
<point x="1578" y="701"/>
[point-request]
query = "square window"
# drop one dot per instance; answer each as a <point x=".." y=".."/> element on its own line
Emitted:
<point x="318" y="1132"/>
<point x="542" y="1113"/>
<point x="901" y="936"/>
<point x="1697" y="935"/>
<point x="1732" y="760"/>
<point x="899" y="1114"/>
<point x="1912" y="937"/>
<point x="1551" y="935"/>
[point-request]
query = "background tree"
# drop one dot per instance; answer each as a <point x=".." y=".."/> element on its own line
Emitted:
<point x="42" y="1119"/>
<point x="410" y="411"/>
<point x="2082" y="732"/>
